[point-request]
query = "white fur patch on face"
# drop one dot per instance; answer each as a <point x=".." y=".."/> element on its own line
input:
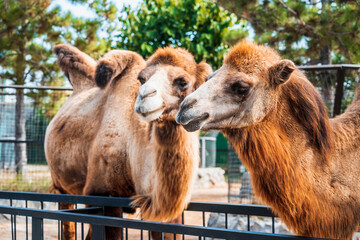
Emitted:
<point x="149" y="104"/>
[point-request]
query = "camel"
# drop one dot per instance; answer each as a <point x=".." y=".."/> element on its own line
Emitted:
<point x="303" y="165"/>
<point x="98" y="145"/>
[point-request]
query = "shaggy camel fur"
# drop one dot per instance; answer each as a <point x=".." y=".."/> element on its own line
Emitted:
<point x="302" y="164"/>
<point x="98" y="145"/>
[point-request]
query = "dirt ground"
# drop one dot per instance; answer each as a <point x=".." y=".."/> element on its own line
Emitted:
<point x="213" y="194"/>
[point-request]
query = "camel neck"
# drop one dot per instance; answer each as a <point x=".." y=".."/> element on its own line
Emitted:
<point x="265" y="150"/>
<point x="176" y="155"/>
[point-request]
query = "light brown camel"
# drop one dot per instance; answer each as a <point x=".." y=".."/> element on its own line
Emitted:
<point x="302" y="164"/>
<point x="98" y="145"/>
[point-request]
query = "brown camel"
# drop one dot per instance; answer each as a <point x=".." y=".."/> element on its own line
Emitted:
<point x="302" y="164"/>
<point x="98" y="145"/>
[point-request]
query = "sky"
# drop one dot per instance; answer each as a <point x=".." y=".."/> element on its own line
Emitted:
<point x="81" y="10"/>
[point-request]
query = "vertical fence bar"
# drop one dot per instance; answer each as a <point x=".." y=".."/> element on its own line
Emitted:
<point x="15" y="227"/>
<point x="98" y="232"/>
<point x="12" y="222"/>
<point x="37" y="228"/>
<point x="42" y="230"/>
<point x="273" y="224"/>
<point x="122" y="229"/>
<point x="248" y="221"/>
<point x="27" y="221"/>
<point x="82" y="231"/>
<point x="226" y="220"/>
<point x="60" y="225"/>
<point x="75" y="224"/>
<point x="203" y="219"/>
<point x="183" y="222"/>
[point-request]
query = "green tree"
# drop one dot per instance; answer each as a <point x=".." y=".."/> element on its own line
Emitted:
<point x="28" y="31"/>
<point x="308" y="31"/>
<point x="198" y="26"/>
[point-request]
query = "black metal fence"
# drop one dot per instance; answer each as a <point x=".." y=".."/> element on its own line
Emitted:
<point x="42" y="217"/>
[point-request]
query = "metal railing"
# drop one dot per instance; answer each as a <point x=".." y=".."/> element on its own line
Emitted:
<point x="94" y="216"/>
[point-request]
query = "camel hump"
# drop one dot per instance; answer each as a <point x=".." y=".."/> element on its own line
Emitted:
<point x="77" y="66"/>
<point x="114" y="64"/>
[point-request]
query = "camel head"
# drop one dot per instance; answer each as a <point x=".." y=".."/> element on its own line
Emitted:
<point x="169" y="76"/>
<point x="239" y="94"/>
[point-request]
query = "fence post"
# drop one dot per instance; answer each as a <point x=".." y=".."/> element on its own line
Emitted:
<point x="37" y="228"/>
<point x="98" y="232"/>
<point x="339" y="92"/>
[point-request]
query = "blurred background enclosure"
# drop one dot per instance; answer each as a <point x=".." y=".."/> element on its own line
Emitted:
<point x="322" y="32"/>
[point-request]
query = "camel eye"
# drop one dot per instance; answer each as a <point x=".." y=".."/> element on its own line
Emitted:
<point x="141" y="80"/>
<point x="180" y="83"/>
<point x="240" y="88"/>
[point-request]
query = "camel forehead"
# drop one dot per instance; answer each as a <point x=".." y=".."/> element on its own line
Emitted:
<point x="177" y="57"/>
<point x="169" y="70"/>
<point x="228" y="74"/>
<point x="250" y="58"/>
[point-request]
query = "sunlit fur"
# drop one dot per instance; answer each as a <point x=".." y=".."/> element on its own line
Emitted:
<point x="303" y="164"/>
<point x="97" y="144"/>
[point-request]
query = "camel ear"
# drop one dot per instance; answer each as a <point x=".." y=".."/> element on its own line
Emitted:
<point x="113" y="64"/>
<point x="203" y="70"/>
<point x="281" y="72"/>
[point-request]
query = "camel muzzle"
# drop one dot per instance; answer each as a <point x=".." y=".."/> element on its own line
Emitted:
<point x="190" y="121"/>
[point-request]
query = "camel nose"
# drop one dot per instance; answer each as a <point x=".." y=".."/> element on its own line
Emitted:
<point x="147" y="91"/>
<point x="187" y="103"/>
<point x="182" y="116"/>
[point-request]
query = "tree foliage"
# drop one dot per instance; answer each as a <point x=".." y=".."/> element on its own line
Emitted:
<point x="29" y="29"/>
<point x="306" y="31"/>
<point x="198" y="26"/>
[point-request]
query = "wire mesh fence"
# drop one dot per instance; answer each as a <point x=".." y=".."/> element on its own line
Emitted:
<point x="39" y="105"/>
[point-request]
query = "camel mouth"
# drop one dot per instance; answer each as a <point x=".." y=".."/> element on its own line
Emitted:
<point x="148" y="113"/>
<point x="196" y="123"/>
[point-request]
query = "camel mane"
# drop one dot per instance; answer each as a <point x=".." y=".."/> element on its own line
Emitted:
<point x="310" y="112"/>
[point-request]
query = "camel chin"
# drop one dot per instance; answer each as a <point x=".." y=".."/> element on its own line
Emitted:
<point x="151" y="115"/>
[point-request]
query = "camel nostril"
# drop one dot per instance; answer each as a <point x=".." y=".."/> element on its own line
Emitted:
<point x="188" y="103"/>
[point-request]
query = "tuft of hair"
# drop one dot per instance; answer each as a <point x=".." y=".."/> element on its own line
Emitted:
<point x="151" y="212"/>
<point x="71" y="59"/>
<point x="248" y="57"/>
<point x="175" y="57"/>
<point x="144" y="203"/>
<point x="114" y="64"/>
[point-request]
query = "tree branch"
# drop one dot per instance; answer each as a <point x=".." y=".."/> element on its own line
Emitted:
<point x="302" y="23"/>
<point x="345" y="50"/>
<point x="254" y="23"/>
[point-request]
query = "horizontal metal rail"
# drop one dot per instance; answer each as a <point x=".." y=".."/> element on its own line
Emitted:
<point x="21" y="141"/>
<point x="36" y="87"/>
<point x="240" y="209"/>
<point x="330" y="67"/>
<point x="144" y="225"/>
